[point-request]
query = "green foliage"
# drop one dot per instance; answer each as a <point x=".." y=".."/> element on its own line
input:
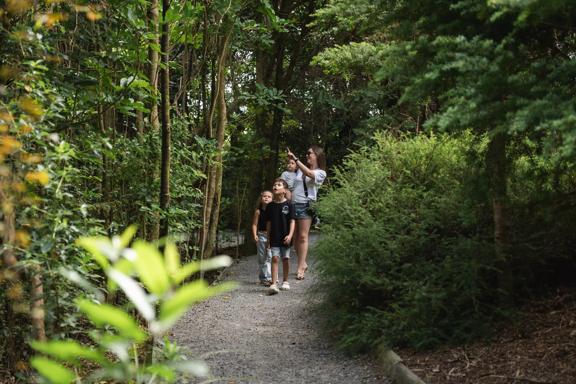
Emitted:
<point x="149" y="280"/>
<point x="406" y="255"/>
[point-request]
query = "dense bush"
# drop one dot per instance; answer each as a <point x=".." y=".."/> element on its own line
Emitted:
<point x="407" y="253"/>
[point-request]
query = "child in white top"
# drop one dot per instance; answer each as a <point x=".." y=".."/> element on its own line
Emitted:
<point x="289" y="175"/>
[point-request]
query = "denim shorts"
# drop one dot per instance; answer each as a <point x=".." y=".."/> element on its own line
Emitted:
<point x="301" y="211"/>
<point x="283" y="252"/>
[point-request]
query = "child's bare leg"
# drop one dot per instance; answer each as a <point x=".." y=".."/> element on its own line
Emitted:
<point x="274" y="269"/>
<point x="285" y="269"/>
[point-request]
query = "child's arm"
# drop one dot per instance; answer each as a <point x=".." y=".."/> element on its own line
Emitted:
<point x="288" y="238"/>
<point x="255" y="224"/>
<point x="268" y="233"/>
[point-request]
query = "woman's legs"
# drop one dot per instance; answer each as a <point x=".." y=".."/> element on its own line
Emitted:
<point x="301" y="244"/>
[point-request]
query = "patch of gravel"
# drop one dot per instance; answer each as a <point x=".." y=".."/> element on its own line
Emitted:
<point x="246" y="336"/>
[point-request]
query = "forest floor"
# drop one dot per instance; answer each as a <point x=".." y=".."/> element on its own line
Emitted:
<point x="540" y="347"/>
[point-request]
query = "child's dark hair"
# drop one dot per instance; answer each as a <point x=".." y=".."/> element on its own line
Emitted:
<point x="280" y="180"/>
<point x="259" y="202"/>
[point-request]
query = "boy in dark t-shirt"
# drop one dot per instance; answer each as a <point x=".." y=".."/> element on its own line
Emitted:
<point x="280" y="226"/>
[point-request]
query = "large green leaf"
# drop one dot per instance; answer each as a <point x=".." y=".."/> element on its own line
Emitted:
<point x="124" y="266"/>
<point x="100" y="248"/>
<point x="197" y="368"/>
<point x="172" y="309"/>
<point x="151" y="268"/>
<point x="68" y="350"/>
<point x="205" y="265"/>
<point x="134" y="292"/>
<point x="127" y="236"/>
<point x="162" y="371"/>
<point x="172" y="257"/>
<point x="104" y="314"/>
<point x="53" y="371"/>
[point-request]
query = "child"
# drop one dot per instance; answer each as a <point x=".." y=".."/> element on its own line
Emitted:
<point x="289" y="175"/>
<point x="280" y="226"/>
<point x="261" y="239"/>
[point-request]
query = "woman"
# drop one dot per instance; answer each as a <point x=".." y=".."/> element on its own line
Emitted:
<point x="313" y="174"/>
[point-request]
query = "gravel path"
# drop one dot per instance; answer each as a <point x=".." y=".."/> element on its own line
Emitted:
<point x="246" y="336"/>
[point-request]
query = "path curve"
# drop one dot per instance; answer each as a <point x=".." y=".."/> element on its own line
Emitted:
<point x="246" y="336"/>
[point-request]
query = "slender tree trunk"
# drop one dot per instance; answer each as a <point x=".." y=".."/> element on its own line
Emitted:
<point x="153" y="59"/>
<point x="220" y="136"/>
<point x="165" y="119"/>
<point x="106" y="184"/>
<point x="37" y="311"/>
<point x="15" y="311"/>
<point x="151" y="225"/>
<point x="215" y="180"/>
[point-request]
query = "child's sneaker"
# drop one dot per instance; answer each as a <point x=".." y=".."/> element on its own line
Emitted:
<point x="285" y="286"/>
<point x="273" y="289"/>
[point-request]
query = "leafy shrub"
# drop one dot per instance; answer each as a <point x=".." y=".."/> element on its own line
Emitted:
<point x="154" y="286"/>
<point x="407" y="254"/>
<point x="401" y="255"/>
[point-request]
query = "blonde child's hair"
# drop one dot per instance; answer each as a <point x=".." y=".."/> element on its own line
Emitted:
<point x="259" y="202"/>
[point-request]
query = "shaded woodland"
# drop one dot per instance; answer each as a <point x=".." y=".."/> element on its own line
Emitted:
<point x="449" y="128"/>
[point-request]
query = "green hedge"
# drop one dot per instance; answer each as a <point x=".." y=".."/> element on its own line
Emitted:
<point x="406" y="253"/>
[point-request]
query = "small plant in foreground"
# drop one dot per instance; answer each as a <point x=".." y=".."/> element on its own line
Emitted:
<point x="152" y="282"/>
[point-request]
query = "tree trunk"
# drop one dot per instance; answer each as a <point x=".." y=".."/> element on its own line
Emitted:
<point x="215" y="180"/>
<point x="37" y="305"/>
<point x="498" y="173"/>
<point x="153" y="58"/>
<point x="15" y="311"/>
<point x="165" y="119"/>
<point x="106" y="183"/>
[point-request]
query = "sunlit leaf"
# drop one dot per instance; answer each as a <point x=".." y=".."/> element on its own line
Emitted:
<point x="128" y="235"/>
<point x="18" y="7"/>
<point x="31" y="158"/>
<point x="93" y="16"/>
<point x="162" y="371"/>
<point x="68" y="350"/>
<point x="172" y="257"/>
<point x="52" y="370"/>
<point x="172" y="309"/>
<point x="31" y="107"/>
<point x="151" y="268"/>
<point x="8" y="72"/>
<point x="117" y="345"/>
<point x="126" y="267"/>
<point x="9" y="144"/>
<point x="104" y="314"/>
<point x="38" y="177"/>
<point x="22" y="238"/>
<point x="205" y="265"/>
<point x="134" y="292"/>
<point x="99" y="247"/>
<point x="196" y="368"/>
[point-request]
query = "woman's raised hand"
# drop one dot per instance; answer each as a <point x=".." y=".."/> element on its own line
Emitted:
<point x="290" y="154"/>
